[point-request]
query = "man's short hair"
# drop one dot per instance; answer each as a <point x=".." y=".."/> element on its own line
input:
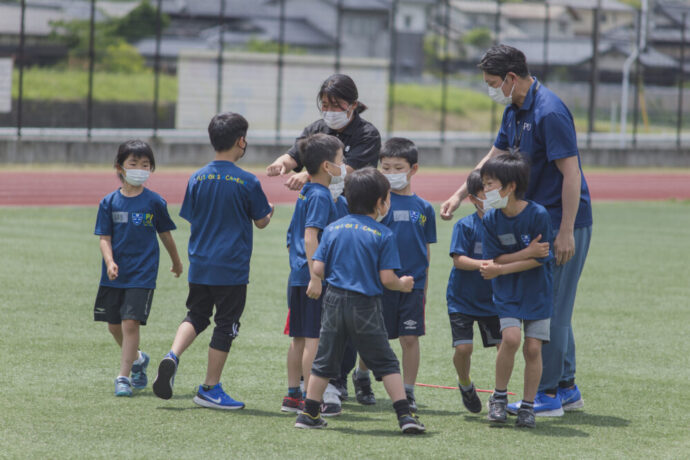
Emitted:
<point x="317" y="148"/>
<point x="363" y="189"/>
<point x="399" y="147"/>
<point x="501" y="59"/>
<point x="474" y="183"/>
<point x="224" y="130"/>
<point x="507" y="168"/>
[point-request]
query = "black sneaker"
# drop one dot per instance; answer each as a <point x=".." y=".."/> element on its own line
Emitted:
<point x="305" y="420"/>
<point x="411" y="401"/>
<point x="163" y="385"/>
<point x="363" y="390"/>
<point x="410" y="424"/>
<point x="497" y="409"/>
<point x="525" y="418"/>
<point x="471" y="400"/>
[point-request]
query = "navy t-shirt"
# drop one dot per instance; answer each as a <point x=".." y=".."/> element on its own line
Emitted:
<point x="132" y="223"/>
<point x="354" y="249"/>
<point x="527" y="294"/>
<point x="413" y="221"/>
<point x="341" y="209"/>
<point x="220" y="203"/>
<point x="546" y="132"/>
<point x="314" y="208"/>
<point x="468" y="293"/>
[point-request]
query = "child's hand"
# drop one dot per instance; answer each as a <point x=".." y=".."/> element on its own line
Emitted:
<point x="275" y="169"/>
<point x="273" y="208"/>
<point x="490" y="270"/>
<point x="407" y="283"/>
<point x="314" y="289"/>
<point x="177" y="269"/>
<point x="538" y="250"/>
<point x="112" y="271"/>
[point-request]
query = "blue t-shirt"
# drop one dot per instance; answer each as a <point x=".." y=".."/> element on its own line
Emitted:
<point x="468" y="293"/>
<point x="220" y="203"/>
<point x="546" y="132"/>
<point x="527" y="294"/>
<point x="314" y="208"/>
<point x="354" y="249"/>
<point x="132" y="223"/>
<point x="341" y="209"/>
<point x="413" y="222"/>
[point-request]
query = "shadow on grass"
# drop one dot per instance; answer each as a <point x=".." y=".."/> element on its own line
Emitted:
<point x="584" y="418"/>
<point x="390" y="433"/>
<point x="544" y="427"/>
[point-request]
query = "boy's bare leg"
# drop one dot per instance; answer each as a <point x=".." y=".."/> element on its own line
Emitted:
<point x="116" y="331"/>
<point x="394" y="387"/>
<point x="216" y="362"/>
<point x="183" y="338"/>
<point x="130" y="345"/>
<point x="462" y="359"/>
<point x="311" y="345"/>
<point x="317" y="386"/>
<point x="505" y="358"/>
<point x="531" y="350"/>
<point x="361" y="365"/>
<point x="294" y="361"/>
<point x="410" y="358"/>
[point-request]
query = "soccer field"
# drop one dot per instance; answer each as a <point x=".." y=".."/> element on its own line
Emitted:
<point x="631" y="325"/>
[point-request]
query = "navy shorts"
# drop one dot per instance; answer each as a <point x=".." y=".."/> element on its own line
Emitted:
<point x="354" y="316"/>
<point x="462" y="327"/>
<point x="403" y="312"/>
<point x="305" y="313"/>
<point x="115" y="304"/>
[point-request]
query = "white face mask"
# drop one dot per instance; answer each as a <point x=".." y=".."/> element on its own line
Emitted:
<point x="380" y="217"/>
<point x="136" y="177"/>
<point x="336" y="120"/>
<point x="341" y="177"/>
<point x="495" y="200"/>
<point x="497" y="94"/>
<point x="336" y="189"/>
<point x="397" y="181"/>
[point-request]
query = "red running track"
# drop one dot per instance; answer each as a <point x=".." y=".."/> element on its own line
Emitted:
<point x="44" y="188"/>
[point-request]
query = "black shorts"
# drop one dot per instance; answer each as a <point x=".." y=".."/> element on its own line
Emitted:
<point x="229" y="302"/>
<point x="403" y="312"/>
<point x="305" y="313"/>
<point x="115" y="304"/>
<point x="462" y="328"/>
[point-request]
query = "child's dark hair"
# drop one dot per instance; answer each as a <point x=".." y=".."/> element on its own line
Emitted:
<point x="317" y="148"/>
<point x="474" y="183"/>
<point x="224" y="130"/>
<point x="507" y="168"/>
<point x="339" y="86"/>
<point x="363" y="188"/>
<point x="400" y="147"/>
<point x="137" y="149"/>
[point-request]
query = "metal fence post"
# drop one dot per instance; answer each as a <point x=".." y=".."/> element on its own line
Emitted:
<point x="279" y="79"/>
<point x="219" y="59"/>
<point x="20" y="98"/>
<point x="681" y="75"/>
<point x="638" y="76"/>
<point x="92" y="58"/>
<point x="157" y="69"/>
<point x="338" y="34"/>
<point x="594" y="74"/>
<point x="392" y="67"/>
<point x="444" y="78"/>
<point x="547" y="25"/>
<point x="497" y="32"/>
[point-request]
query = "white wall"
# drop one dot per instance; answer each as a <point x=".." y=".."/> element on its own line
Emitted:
<point x="249" y="88"/>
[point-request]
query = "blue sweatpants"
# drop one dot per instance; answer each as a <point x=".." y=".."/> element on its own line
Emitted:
<point x="558" y="356"/>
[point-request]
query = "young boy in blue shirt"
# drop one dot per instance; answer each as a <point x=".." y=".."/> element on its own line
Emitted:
<point x="521" y="276"/>
<point x="127" y="223"/>
<point x="469" y="296"/>
<point x="221" y="202"/>
<point x="322" y="155"/>
<point x="413" y="222"/>
<point x="357" y="256"/>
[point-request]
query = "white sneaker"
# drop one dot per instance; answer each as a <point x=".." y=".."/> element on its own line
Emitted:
<point x="331" y="402"/>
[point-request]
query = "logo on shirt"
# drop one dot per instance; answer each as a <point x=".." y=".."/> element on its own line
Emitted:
<point x="347" y="148"/>
<point x="401" y="216"/>
<point x="409" y="216"/>
<point x="137" y="218"/>
<point x="410" y="324"/>
<point x="301" y="197"/>
<point x="119" y="217"/>
<point x="527" y="126"/>
<point x="365" y="228"/>
<point x="148" y="220"/>
<point x="507" y="239"/>
<point x="525" y="239"/>
<point x="226" y="178"/>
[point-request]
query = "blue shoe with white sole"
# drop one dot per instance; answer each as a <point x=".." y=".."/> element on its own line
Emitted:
<point x="216" y="398"/>
<point x="123" y="387"/>
<point x="544" y="406"/>
<point x="139" y="378"/>
<point x="571" y="398"/>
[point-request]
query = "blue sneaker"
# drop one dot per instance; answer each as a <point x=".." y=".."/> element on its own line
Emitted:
<point x="123" y="387"/>
<point x="139" y="378"/>
<point x="163" y="385"/>
<point x="216" y="398"/>
<point x="544" y="406"/>
<point x="571" y="399"/>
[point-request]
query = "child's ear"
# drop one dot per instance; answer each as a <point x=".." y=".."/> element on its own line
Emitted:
<point x="511" y="187"/>
<point x="414" y="169"/>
